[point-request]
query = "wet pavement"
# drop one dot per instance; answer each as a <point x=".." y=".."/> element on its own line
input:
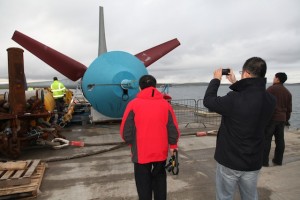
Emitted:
<point x="103" y="171"/>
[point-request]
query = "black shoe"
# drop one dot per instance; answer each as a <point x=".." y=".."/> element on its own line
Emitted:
<point x="265" y="165"/>
<point x="276" y="163"/>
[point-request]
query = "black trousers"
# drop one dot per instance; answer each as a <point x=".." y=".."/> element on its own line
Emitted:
<point x="60" y="104"/>
<point x="275" y="128"/>
<point x="151" y="177"/>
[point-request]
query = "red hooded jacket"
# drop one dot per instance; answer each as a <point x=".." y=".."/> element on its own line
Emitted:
<point x="149" y="126"/>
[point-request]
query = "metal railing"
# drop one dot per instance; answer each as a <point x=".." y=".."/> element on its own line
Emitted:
<point x="193" y="111"/>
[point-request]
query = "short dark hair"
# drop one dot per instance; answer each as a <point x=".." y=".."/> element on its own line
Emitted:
<point x="147" y="81"/>
<point x="55" y="78"/>
<point x="281" y="76"/>
<point x="256" y="66"/>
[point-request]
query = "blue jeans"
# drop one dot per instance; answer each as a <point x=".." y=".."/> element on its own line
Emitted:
<point x="227" y="180"/>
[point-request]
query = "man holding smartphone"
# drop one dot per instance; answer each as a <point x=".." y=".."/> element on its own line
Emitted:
<point x="246" y="111"/>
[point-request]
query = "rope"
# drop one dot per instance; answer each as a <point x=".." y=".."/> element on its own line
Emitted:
<point x="83" y="154"/>
<point x="117" y="145"/>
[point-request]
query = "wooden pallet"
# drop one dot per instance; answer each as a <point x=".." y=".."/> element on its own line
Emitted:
<point x="26" y="188"/>
<point x="19" y="165"/>
<point x="13" y="174"/>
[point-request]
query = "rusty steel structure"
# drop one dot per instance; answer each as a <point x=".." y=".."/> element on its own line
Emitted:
<point x="22" y="122"/>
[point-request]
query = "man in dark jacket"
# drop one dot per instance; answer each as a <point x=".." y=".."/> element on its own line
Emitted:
<point x="246" y="111"/>
<point x="150" y="127"/>
<point x="280" y="117"/>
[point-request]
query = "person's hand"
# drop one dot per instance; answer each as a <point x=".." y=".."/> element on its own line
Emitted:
<point x="231" y="77"/>
<point x="218" y="74"/>
<point x="287" y="123"/>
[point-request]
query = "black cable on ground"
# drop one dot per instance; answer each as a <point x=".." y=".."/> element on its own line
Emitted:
<point x="118" y="145"/>
<point x="83" y="154"/>
<point x="102" y="144"/>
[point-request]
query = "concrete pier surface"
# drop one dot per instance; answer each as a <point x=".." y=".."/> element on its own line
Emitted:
<point x="105" y="171"/>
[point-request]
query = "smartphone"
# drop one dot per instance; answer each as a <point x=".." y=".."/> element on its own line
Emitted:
<point x="225" y="71"/>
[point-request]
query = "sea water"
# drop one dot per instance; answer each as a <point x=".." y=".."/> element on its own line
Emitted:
<point x="194" y="91"/>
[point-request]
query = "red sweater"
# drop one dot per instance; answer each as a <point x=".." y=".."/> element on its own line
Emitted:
<point x="149" y="126"/>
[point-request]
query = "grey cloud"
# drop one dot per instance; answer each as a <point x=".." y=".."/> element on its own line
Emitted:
<point x="212" y="33"/>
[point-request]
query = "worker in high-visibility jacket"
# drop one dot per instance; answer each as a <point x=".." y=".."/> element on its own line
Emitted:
<point x="58" y="91"/>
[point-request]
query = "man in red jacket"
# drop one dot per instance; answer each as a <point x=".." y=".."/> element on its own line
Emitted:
<point x="150" y="127"/>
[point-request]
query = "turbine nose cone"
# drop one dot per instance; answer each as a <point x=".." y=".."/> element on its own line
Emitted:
<point x="111" y="81"/>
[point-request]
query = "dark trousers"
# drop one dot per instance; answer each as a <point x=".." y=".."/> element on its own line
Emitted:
<point x="151" y="177"/>
<point x="60" y="105"/>
<point x="275" y="128"/>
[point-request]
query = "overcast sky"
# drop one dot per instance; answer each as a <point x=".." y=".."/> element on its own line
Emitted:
<point x="212" y="33"/>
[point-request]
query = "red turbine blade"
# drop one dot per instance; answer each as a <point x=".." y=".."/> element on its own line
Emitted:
<point x="60" y="62"/>
<point x="151" y="55"/>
